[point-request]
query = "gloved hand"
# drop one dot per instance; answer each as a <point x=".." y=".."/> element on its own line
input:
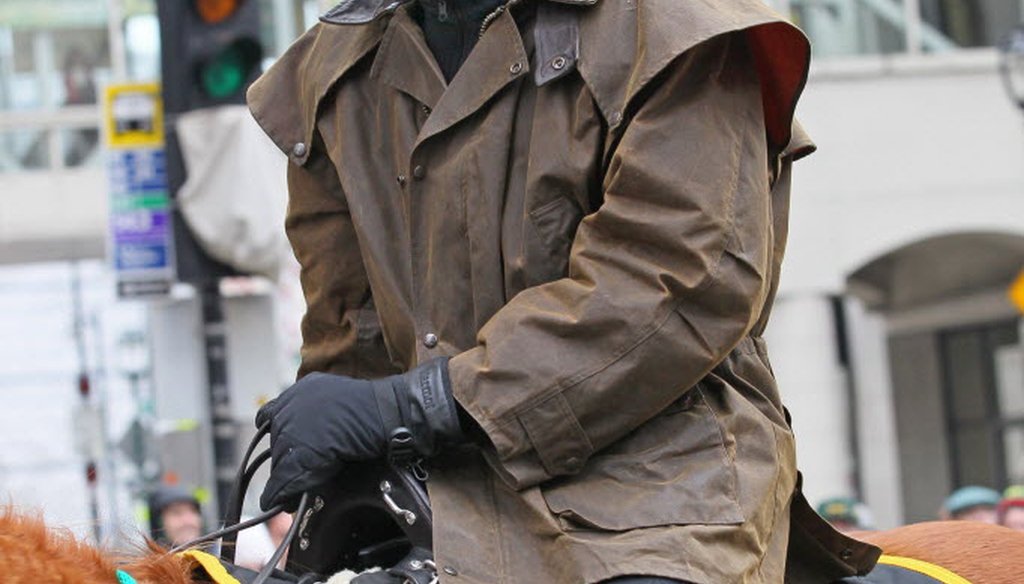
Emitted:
<point x="324" y="420"/>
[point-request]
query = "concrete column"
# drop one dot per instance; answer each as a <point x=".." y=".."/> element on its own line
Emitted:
<point x="802" y="344"/>
<point x="881" y="481"/>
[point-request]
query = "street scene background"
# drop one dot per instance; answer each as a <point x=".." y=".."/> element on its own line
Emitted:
<point x="896" y="336"/>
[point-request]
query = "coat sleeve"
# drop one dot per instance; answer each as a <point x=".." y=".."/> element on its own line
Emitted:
<point x="340" y="329"/>
<point x="665" y="278"/>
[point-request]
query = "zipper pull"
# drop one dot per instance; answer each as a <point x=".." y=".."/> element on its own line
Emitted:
<point x="442" y="11"/>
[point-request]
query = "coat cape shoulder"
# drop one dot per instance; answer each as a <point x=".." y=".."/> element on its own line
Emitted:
<point x="285" y="99"/>
<point x="648" y="36"/>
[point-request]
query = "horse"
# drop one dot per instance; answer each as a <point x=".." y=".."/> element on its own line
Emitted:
<point x="979" y="553"/>
<point x="33" y="553"/>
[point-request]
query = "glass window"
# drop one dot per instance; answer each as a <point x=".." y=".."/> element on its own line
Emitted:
<point x="283" y="21"/>
<point x="52" y="53"/>
<point x="1014" y="438"/>
<point x="852" y="27"/>
<point x="80" y="147"/>
<point x="975" y="456"/>
<point x="24" y="149"/>
<point x="1010" y="380"/>
<point x="865" y="27"/>
<point x="984" y="388"/>
<point x="967" y="374"/>
<point x="142" y="47"/>
<point x="971" y="23"/>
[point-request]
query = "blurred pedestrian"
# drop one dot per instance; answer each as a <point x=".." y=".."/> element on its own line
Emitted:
<point x="971" y="503"/>
<point x="844" y="513"/>
<point x="1011" y="508"/>
<point x="79" y="89"/>
<point x="175" y="516"/>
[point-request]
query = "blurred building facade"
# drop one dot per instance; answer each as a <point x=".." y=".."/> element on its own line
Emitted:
<point x="896" y="346"/>
<point x="61" y="318"/>
<point x="893" y="340"/>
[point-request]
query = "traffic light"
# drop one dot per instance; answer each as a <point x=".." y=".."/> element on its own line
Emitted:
<point x="210" y="54"/>
<point x="210" y="51"/>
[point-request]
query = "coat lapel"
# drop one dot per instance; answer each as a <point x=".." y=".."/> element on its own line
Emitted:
<point x="498" y="60"/>
<point x="404" y="62"/>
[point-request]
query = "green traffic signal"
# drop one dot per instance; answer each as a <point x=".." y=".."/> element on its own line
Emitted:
<point x="224" y="75"/>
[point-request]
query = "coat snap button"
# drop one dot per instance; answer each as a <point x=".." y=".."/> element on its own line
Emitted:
<point x="559" y="63"/>
<point x="516" y="68"/>
<point x="299" y="150"/>
<point x="430" y="340"/>
<point x="401" y="180"/>
<point x="419" y="172"/>
<point x="426" y="110"/>
<point x="573" y="464"/>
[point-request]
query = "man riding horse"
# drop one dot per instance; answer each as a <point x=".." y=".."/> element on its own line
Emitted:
<point x="541" y="240"/>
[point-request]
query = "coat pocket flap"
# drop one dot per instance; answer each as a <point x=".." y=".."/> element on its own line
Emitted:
<point x="674" y="470"/>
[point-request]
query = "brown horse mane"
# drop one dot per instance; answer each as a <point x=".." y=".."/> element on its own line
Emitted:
<point x="978" y="552"/>
<point x="31" y="552"/>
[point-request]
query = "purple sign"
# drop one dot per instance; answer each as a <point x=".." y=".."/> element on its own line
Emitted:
<point x="140" y="216"/>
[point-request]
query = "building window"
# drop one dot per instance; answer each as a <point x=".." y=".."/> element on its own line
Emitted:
<point x="875" y="27"/>
<point x="984" y="402"/>
<point x="971" y="23"/>
<point x="852" y="27"/>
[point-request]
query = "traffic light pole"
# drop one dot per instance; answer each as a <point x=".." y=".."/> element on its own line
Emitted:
<point x="210" y="53"/>
<point x="222" y="423"/>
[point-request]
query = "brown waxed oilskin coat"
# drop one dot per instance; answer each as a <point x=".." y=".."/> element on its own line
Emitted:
<point x="589" y="220"/>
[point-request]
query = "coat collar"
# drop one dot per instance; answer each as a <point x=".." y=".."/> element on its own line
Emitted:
<point x="364" y="11"/>
<point x="499" y="59"/>
<point x="285" y="100"/>
<point x="404" y="61"/>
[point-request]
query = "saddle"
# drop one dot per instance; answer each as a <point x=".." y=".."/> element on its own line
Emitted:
<point x="900" y="570"/>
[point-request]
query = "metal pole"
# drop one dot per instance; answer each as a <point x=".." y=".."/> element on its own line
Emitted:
<point x="222" y="422"/>
<point x="84" y="390"/>
<point x="109" y="466"/>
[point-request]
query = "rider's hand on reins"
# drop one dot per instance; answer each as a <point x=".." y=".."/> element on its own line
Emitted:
<point x="325" y="420"/>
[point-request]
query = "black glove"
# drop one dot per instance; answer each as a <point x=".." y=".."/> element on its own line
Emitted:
<point x="325" y="420"/>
